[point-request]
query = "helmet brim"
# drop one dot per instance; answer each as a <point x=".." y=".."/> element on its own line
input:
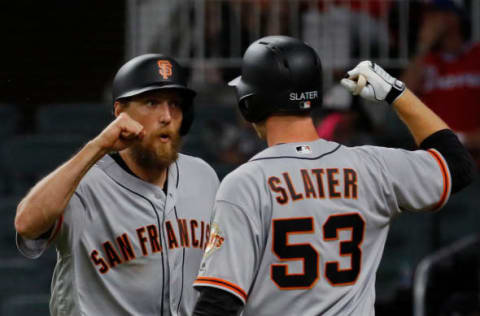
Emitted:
<point x="183" y="89"/>
<point x="243" y="88"/>
<point x="235" y="82"/>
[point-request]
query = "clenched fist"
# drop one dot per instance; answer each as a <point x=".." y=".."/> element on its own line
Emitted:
<point x="120" y="134"/>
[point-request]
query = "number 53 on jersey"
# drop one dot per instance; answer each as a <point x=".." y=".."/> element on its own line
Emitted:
<point x="285" y="251"/>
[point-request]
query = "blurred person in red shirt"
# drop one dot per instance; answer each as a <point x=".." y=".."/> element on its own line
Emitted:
<point x="445" y="73"/>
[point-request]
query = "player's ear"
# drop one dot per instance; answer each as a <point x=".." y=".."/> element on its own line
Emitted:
<point x="118" y="107"/>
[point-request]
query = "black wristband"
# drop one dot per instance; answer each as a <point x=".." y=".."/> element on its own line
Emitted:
<point x="216" y="302"/>
<point x="397" y="89"/>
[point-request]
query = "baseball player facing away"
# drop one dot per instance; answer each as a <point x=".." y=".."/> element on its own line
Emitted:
<point x="300" y="228"/>
<point x="128" y="215"/>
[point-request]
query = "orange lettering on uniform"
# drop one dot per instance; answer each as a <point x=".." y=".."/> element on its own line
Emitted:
<point x="154" y="239"/>
<point x="291" y="188"/>
<point x="318" y="174"/>
<point x="99" y="261"/>
<point x="201" y="236"/>
<point x="273" y="182"/>
<point x="333" y="183"/>
<point x="112" y="255"/>
<point x="193" y="226"/>
<point x="143" y="240"/>
<point x="207" y="234"/>
<point x="172" y="240"/>
<point x="126" y="247"/>
<point x="350" y="182"/>
<point x="307" y="183"/>
<point x="183" y="231"/>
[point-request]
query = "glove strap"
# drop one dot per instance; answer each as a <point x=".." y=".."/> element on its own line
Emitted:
<point x="397" y="89"/>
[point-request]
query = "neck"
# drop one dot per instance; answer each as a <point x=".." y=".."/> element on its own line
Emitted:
<point x="289" y="129"/>
<point x="150" y="175"/>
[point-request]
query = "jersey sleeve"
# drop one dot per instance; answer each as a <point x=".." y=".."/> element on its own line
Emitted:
<point x="419" y="180"/>
<point x="232" y="255"/>
<point x="65" y="230"/>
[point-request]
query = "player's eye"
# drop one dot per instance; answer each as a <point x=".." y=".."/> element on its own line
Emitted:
<point x="151" y="102"/>
<point x="174" y="103"/>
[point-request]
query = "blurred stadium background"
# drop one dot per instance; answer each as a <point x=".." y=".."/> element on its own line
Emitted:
<point x="59" y="57"/>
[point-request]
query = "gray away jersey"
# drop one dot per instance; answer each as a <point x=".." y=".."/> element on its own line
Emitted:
<point x="124" y="248"/>
<point x="300" y="229"/>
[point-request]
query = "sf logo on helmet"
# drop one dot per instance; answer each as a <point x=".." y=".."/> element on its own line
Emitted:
<point x="165" y="68"/>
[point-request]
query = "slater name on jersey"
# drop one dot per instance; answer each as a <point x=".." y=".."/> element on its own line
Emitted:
<point x="332" y="183"/>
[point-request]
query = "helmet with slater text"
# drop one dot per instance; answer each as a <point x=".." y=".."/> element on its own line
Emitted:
<point x="280" y="75"/>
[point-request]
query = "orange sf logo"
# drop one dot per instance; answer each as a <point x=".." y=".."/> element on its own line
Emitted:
<point x="165" y="68"/>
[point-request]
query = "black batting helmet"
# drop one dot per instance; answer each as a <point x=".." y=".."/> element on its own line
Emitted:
<point x="280" y="75"/>
<point x="154" y="72"/>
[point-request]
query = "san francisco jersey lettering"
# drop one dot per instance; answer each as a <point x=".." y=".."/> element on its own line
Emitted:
<point x="122" y="235"/>
<point x="120" y="249"/>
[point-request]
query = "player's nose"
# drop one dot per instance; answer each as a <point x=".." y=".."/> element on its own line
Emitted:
<point x="164" y="113"/>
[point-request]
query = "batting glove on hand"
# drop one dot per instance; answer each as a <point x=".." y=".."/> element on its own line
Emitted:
<point x="380" y="85"/>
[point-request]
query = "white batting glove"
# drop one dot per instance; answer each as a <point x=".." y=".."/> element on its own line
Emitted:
<point x="380" y="85"/>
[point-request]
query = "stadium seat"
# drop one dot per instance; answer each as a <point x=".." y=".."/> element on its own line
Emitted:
<point x="8" y="206"/>
<point x="9" y="115"/>
<point x="409" y="240"/>
<point x="23" y="276"/>
<point x="216" y="112"/>
<point x="82" y="118"/>
<point x="26" y="159"/>
<point x="193" y="145"/>
<point x="35" y="304"/>
<point x="203" y="139"/>
<point x="460" y="216"/>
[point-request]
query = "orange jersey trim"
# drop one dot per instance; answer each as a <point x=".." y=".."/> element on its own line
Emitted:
<point x="222" y="283"/>
<point x="446" y="177"/>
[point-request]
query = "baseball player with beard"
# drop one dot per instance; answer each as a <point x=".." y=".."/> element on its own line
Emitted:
<point x="128" y="215"/>
<point x="300" y="228"/>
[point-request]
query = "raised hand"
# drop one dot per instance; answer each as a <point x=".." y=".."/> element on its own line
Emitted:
<point x="380" y="84"/>
<point x="120" y="134"/>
